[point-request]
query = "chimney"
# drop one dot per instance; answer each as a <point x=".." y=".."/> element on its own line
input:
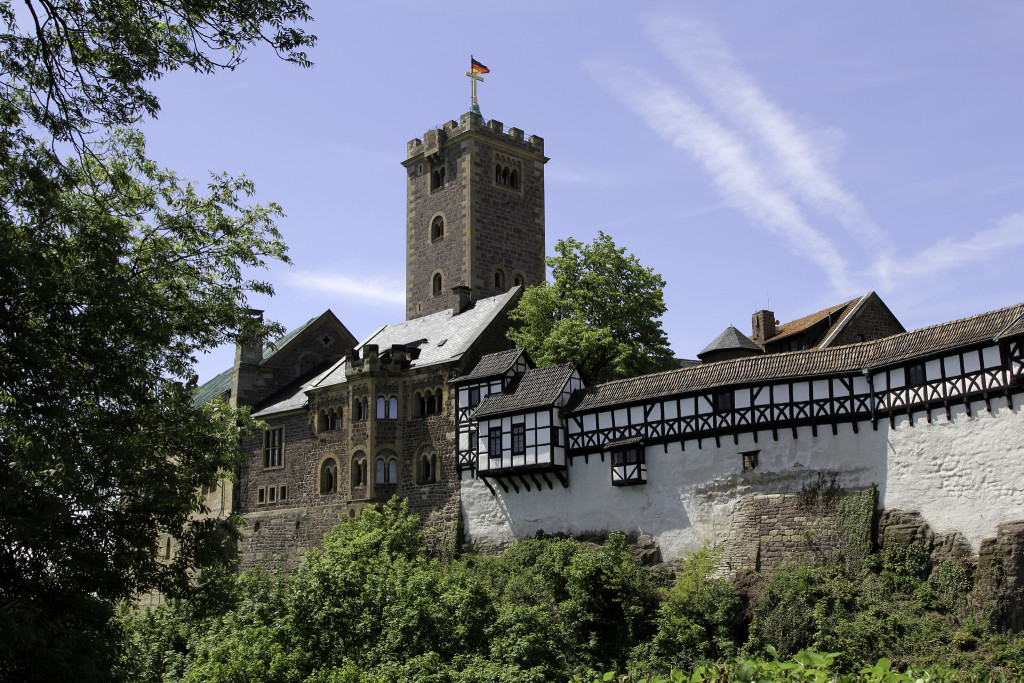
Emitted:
<point x="462" y="298"/>
<point x="248" y="354"/>
<point x="763" y="324"/>
<point x="398" y="354"/>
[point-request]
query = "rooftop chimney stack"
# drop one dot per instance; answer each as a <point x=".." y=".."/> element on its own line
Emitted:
<point x="463" y="295"/>
<point x="763" y="324"/>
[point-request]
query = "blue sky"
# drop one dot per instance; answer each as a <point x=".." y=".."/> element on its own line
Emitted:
<point x="783" y="155"/>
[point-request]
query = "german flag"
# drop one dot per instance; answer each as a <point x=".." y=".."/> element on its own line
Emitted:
<point x="478" y="68"/>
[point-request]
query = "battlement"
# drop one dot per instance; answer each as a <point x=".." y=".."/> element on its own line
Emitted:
<point x="473" y="123"/>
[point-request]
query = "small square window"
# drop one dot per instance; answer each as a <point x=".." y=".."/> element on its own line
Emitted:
<point x="629" y="466"/>
<point x="261" y="496"/>
<point x="749" y="460"/>
<point x="284" y="493"/>
<point x="272" y="494"/>
<point x="723" y="402"/>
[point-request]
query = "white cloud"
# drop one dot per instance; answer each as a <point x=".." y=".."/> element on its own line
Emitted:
<point x="728" y="159"/>
<point x="948" y="254"/>
<point x="800" y="158"/>
<point x="358" y="290"/>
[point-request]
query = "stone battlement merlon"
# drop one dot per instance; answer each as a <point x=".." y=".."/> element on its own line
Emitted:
<point x="473" y="123"/>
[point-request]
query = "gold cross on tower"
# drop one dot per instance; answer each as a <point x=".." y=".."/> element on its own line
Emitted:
<point x="476" y="68"/>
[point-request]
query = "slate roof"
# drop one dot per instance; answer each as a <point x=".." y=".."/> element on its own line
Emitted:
<point x="291" y="397"/>
<point x="816" y="362"/>
<point x="538" y="387"/>
<point x="730" y="340"/>
<point x="493" y="365"/>
<point x="440" y="337"/>
<point x="221" y="384"/>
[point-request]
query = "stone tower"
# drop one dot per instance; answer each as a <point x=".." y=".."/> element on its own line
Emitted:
<point x="474" y="213"/>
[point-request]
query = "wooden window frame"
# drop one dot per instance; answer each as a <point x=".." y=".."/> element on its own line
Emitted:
<point x="273" y="448"/>
<point x="519" y="438"/>
<point x="494" y="437"/>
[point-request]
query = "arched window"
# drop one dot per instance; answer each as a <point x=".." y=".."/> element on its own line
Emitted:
<point x="359" y="469"/>
<point x="381" y="472"/>
<point x="439" y="401"/>
<point x="437" y="179"/>
<point x="497" y="174"/>
<point x="328" y="476"/>
<point x="393" y="408"/>
<point x="499" y="280"/>
<point x="504" y="177"/>
<point x="436" y="228"/>
<point x="437" y="284"/>
<point x="517" y="280"/>
<point x="321" y="421"/>
<point x="431" y="406"/>
<point x="428" y="466"/>
<point x="334" y="419"/>
<point x="419" y="406"/>
<point x="392" y="471"/>
<point x="167" y="550"/>
<point x="513" y="180"/>
<point x="357" y="409"/>
<point x="382" y="407"/>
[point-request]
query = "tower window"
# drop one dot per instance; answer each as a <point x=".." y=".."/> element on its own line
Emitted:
<point x="499" y="280"/>
<point x="437" y="285"/>
<point x="506" y="176"/>
<point x="437" y="228"/>
<point x="437" y="178"/>
<point x="517" y="280"/>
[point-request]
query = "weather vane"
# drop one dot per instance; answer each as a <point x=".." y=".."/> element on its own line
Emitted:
<point x="476" y="68"/>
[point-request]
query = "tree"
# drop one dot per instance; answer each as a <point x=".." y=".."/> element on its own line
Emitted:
<point x="114" y="275"/>
<point x="602" y="312"/>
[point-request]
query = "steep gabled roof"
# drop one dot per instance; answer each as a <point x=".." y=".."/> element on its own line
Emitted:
<point x="538" y="388"/>
<point x="799" y="325"/>
<point x="221" y="384"/>
<point x="816" y="362"/>
<point x="493" y="365"/>
<point x="840" y="316"/>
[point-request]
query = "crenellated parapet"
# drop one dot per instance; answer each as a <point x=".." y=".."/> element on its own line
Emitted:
<point x="471" y="123"/>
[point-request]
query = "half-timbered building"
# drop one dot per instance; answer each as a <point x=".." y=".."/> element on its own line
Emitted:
<point x="931" y="417"/>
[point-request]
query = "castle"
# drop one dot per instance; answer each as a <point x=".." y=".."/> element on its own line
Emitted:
<point x="439" y="410"/>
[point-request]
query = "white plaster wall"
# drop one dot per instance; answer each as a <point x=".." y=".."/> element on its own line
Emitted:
<point x="965" y="475"/>
<point x="689" y="496"/>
